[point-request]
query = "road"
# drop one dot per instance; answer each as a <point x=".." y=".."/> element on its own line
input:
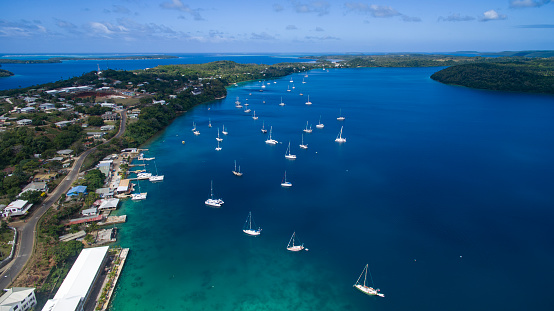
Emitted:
<point x="26" y="239"/>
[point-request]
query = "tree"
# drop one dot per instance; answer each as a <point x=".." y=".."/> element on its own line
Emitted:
<point x="95" y="121"/>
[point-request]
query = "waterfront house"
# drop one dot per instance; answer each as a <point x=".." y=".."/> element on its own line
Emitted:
<point x="93" y="211"/>
<point x="18" y="299"/>
<point x="104" y="192"/>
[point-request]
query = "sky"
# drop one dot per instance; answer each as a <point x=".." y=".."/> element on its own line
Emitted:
<point x="280" y="26"/>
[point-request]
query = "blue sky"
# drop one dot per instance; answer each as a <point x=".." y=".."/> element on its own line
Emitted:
<point x="281" y="26"/>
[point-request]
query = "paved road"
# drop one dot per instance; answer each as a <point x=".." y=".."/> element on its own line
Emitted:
<point x="26" y="240"/>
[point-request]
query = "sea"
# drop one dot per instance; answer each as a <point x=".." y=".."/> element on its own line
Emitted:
<point x="445" y="192"/>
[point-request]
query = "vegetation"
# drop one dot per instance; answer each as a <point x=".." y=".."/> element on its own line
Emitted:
<point x="532" y="75"/>
<point x="6" y="236"/>
<point x="60" y="59"/>
<point x="5" y="73"/>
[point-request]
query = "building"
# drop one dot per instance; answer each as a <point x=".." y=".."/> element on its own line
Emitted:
<point x="110" y="116"/>
<point x="24" y="122"/>
<point x="16" y="208"/>
<point x="76" y="190"/>
<point x="47" y="106"/>
<point x="108" y="204"/>
<point x="35" y="186"/>
<point x="93" y="211"/>
<point x="65" y="152"/>
<point x="107" y="127"/>
<point x="18" y="298"/>
<point x="104" y="192"/>
<point x="63" y="123"/>
<point x="77" y="285"/>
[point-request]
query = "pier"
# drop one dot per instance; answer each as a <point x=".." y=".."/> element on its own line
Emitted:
<point x="108" y="287"/>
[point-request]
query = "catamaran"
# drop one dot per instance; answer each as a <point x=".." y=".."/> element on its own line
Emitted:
<point x="294" y="248"/>
<point x="308" y="102"/>
<point x="235" y="172"/>
<point x="196" y="132"/>
<point x="307" y="130"/>
<point x="254" y="116"/>
<point x="263" y="128"/>
<point x="270" y="140"/>
<point x="366" y="289"/>
<point x="340" y="118"/>
<point x="156" y="177"/>
<point x="281" y="104"/>
<point x="320" y="125"/>
<point x="302" y="146"/>
<point x="286" y="183"/>
<point x="139" y="195"/>
<point x="288" y="155"/>
<point x="339" y="138"/>
<point x="211" y="201"/>
<point x="218" y="138"/>
<point x="247" y="228"/>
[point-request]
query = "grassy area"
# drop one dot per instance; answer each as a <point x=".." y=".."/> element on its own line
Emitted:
<point x="5" y="248"/>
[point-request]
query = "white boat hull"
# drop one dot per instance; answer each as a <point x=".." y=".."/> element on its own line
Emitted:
<point x="368" y="290"/>
<point x="138" y="196"/>
<point x="271" y="142"/>
<point x="320" y="126"/>
<point x="252" y="232"/>
<point x="290" y="156"/>
<point x="296" y="248"/>
<point x="286" y="184"/>
<point x="303" y="146"/>
<point x="237" y="173"/>
<point x="156" y="178"/>
<point x="213" y="203"/>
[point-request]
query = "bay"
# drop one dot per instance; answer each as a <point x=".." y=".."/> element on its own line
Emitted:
<point x="445" y="191"/>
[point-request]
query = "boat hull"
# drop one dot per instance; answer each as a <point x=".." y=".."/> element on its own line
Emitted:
<point x="368" y="290"/>
<point x="296" y="248"/>
<point x="252" y="232"/>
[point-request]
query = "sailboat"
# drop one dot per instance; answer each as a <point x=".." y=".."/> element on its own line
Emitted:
<point x="281" y="104"/>
<point x="193" y="126"/>
<point x="294" y="248"/>
<point x="293" y="87"/>
<point x="237" y="103"/>
<point x="254" y="116"/>
<point x="218" y="148"/>
<point x="218" y="138"/>
<point x="286" y="183"/>
<point x="366" y="289"/>
<point x="288" y="88"/>
<point x="291" y="80"/>
<point x="263" y="128"/>
<point x="235" y="172"/>
<point x="308" y="102"/>
<point x="156" y="177"/>
<point x="288" y="155"/>
<point x="209" y="123"/>
<point x="302" y="146"/>
<point x="303" y="81"/>
<point x="339" y="138"/>
<point x="340" y="118"/>
<point x="247" y="228"/>
<point x="320" y="125"/>
<point x="247" y="110"/>
<point x="270" y="140"/>
<point x="307" y="130"/>
<point x="196" y="132"/>
<point x="139" y="195"/>
<point x="224" y="132"/>
<point x="211" y="201"/>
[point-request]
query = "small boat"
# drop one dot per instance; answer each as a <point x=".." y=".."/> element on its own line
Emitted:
<point x="237" y="103"/>
<point x="218" y="148"/>
<point x="224" y="132"/>
<point x="306" y="75"/>
<point x="294" y="248"/>
<point x="320" y="125"/>
<point x="281" y="104"/>
<point x="307" y="130"/>
<point x="303" y="82"/>
<point x="286" y="183"/>
<point x="183" y="142"/>
<point x="302" y="146"/>
<point x="247" y="228"/>
<point x="196" y="132"/>
<point x="218" y="138"/>
<point x="288" y="88"/>
<point x="366" y="289"/>
<point x="293" y="87"/>
<point x="193" y="126"/>
<point x="254" y="116"/>
<point x="340" y="118"/>
<point x="270" y="140"/>
<point x="291" y="80"/>
<point x="263" y="128"/>
<point x="339" y="138"/>
<point x="263" y="86"/>
<point x="155" y="178"/>
<point x="142" y="176"/>
<point x="288" y="155"/>
<point x="209" y="123"/>
<point x="139" y="195"/>
<point x="211" y="201"/>
<point x="235" y="172"/>
<point x="308" y="102"/>
<point x="247" y="110"/>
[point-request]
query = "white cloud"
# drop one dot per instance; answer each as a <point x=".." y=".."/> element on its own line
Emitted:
<point x="456" y="17"/>
<point x="528" y="3"/>
<point x="492" y="15"/>
<point x="180" y="6"/>
<point x="373" y="9"/>
<point x="319" y="7"/>
<point x="21" y="28"/>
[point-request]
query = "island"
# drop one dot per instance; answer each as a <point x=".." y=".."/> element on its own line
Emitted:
<point x="5" y="73"/>
<point x="53" y="60"/>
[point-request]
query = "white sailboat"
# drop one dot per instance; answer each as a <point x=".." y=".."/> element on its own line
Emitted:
<point x="281" y="104"/>
<point x="263" y="128"/>
<point x="193" y="126"/>
<point x="340" y="118"/>
<point x="288" y="88"/>
<point x="288" y="155"/>
<point x="286" y="183"/>
<point x="366" y="289"/>
<point x="303" y="81"/>
<point x="291" y="80"/>
<point x="224" y="132"/>
<point x="270" y="140"/>
<point x="218" y="138"/>
<point x="211" y="201"/>
<point x="293" y="87"/>
<point x="139" y="195"/>
<point x="308" y="102"/>
<point x="196" y="132"/>
<point x="155" y="178"/>
<point x="218" y="148"/>
<point x="294" y="248"/>
<point x="235" y="172"/>
<point x="144" y="175"/>
<point x="307" y="130"/>
<point x="247" y="110"/>
<point x="320" y="125"/>
<point x="302" y="146"/>
<point x="209" y="123"/>
<point x="339" y="138"/>
<point x="237" y="103"/>
<point x="247" y="228"/>
<point x="254" y="116"/>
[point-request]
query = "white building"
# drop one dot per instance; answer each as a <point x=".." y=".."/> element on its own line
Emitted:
<point x="18" y="298"/>
<point x="24" y="122"/>
<point x="16" y="208"/>
<point x="75" y="289"/>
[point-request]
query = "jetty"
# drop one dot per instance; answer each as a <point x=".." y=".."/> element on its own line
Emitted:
<point x="108" y="287"/>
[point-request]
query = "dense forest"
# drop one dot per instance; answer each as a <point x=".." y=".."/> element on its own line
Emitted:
<point x="5" y="73"/>
<point x="531" y="75"/>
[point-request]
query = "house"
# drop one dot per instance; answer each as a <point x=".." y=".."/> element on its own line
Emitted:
<point x="16" y="208"/>
<point x="108" y="204"/>
<point x="77" y="190"/>
<point x="109" y="105"/>
<point x="110" y="116"/>
<point x="105" y="167"/>
<point x="47" y="106"/>
<point x="65" y="152"/>
<point x="96" y="134"/>
<point x="161" y="102"/>
<point x="24" y="122"/>
<point x="35" y="186"/>
<point x="28" y="110"/>
<point x="18" y="298"/>
<point x="107" y="127"/>
<point x="90" y="211"/>
<point x="62" y="124"/>
<point x="56" y="159"/>
<point x="46" y="177"/>
<point x="104" y="192"/>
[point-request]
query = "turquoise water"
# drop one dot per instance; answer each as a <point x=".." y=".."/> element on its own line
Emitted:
<point x="445" y="191"/>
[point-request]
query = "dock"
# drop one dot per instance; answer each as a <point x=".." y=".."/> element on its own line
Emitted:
<point x="112" y="220"/>
<point x="108" y="287"/>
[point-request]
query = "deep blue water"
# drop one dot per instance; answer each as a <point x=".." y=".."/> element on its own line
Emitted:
<point x="33" y="74"/>
<point x="445" y="191"/>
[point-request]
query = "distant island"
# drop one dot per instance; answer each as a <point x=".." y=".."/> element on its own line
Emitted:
<point x="54" y="60"/>
<point x="5" y="73"/>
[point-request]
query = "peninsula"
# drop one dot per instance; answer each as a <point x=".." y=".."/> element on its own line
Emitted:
<point x="60" y="59"/>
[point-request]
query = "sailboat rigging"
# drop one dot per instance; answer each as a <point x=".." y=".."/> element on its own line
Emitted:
<point x="247" y="228"/>
<point x="270" y="140"/>
<point x="339" y="138"/>
<point x="320" y="125"/>
<point x="366" y="289"/>
<point x="211" y="201"/>
<point x="288" y="155"/>
<point x="295" y="248"/>
<point x="156" y="177"/>
<point x="286" y="183"/>
<point x="302" y="146"/>
<point x="235" y="172"/>
<point x="218" y="138"/>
